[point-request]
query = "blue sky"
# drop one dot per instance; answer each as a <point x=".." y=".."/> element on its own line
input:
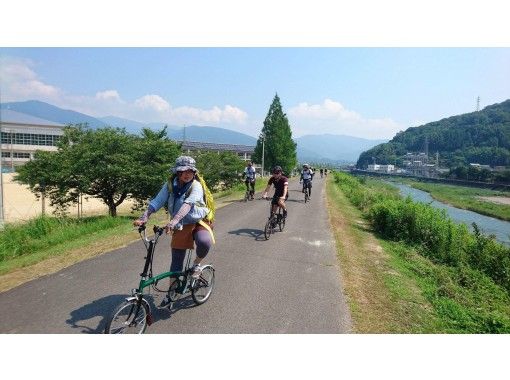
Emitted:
<point x="364" y="92"/>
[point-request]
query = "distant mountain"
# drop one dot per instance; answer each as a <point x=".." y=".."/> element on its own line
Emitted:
<point x="481" y="137"/>
<point x="49" y="112"/>
<point x="213" y="135"/>
<point x="332" y="148"/>
<point x="131" y="126"/>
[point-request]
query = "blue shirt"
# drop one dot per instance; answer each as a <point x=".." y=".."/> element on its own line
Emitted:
<point x="195" y="199"/>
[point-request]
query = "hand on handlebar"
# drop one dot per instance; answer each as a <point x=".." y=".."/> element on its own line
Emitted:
<point x="139" y="222"/>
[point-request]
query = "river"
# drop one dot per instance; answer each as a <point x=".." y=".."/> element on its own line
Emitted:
<point x="488" y="225"/>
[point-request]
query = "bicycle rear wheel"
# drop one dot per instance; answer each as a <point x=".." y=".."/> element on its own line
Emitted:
<point x="281" y="223"/>
<point x="203" y="286"/>
<point x="128" y="318"/>
<point x="268" y="228"/>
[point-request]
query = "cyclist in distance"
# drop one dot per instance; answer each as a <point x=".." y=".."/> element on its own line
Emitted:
<point x="249" y="173"/>
<point x="184" y="196"/>
<point x="281" y="192"/>
<point x="322" y="171"/>
<point x="306" y="179"/>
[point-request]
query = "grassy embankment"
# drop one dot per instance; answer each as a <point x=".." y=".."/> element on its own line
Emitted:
<point x="407" y="268"/>
<point x="45" y="245"/>
<point x="466" y="198"/>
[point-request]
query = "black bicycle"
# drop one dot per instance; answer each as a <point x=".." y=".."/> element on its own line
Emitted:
<point x="306" y="190"/>
<point x="276" y="219"/>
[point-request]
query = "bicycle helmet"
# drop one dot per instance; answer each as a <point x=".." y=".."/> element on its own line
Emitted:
<point x="305" y="166"/>
<point x="277" y="169"/>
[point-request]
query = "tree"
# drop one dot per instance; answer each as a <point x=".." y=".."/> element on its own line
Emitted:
<point x="108" y="164"/>
<point x="279" y="148"/>
<point x="219" y="168"/>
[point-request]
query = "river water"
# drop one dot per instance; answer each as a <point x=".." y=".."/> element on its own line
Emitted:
<point x="488" y="225"/>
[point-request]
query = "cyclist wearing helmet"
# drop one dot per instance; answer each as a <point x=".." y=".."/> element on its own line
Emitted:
<point x="249" y="173"/>
<point x="306" y="179"/>
<point x="281" y="193"/>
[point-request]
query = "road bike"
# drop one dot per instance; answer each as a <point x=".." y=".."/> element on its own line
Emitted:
<point x="134" y="315"/>
<point x="276" y="219"/>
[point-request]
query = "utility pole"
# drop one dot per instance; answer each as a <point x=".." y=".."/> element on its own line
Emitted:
<point x="263" y="142"/>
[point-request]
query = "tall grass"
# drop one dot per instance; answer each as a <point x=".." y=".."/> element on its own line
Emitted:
<point x="464" y="275"/>
<point x="43" y="232"/>
<point x="430" y="230"/>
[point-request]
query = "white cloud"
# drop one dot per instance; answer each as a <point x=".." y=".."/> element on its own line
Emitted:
<point x="20" y="82"/>
<point x="332" y="117"/>
<point x="108" y="95"/>
<point x="153" y="102"/>
<point x="215" y="115"/>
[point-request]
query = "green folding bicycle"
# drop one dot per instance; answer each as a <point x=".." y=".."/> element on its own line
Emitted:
<point x="134" y="314"/>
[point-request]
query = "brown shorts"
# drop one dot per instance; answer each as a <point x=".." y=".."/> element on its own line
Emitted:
<point x="183" y="239"/>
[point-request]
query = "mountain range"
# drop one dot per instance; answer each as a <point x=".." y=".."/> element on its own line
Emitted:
<point x="327" y="148"/>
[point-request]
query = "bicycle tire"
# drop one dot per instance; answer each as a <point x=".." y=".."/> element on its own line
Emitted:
<point x="268" y="229"/>
<point x="124" y="315"/>
<point x="281" y="224"/>
<point x="203" y="286"/>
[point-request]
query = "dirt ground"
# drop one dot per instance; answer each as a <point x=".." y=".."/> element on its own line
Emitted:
<point x="500" y="200"/>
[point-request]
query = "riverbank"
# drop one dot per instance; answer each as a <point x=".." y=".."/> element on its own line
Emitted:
<point x="486" y="202"/>
<point x="424" y="267"/>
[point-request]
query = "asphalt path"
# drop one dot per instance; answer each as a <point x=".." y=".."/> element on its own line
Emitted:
<point x="288" y="284"/>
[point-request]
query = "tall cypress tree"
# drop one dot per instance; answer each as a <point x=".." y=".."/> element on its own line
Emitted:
<point x="279" y="148"/>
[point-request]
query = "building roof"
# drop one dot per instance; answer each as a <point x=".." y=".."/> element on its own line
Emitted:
<point x="10" y="116"/>
<point x="213" y="146"/>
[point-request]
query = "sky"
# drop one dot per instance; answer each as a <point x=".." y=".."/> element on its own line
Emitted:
<point x="364" y="92"/>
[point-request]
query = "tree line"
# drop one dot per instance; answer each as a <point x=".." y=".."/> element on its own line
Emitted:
<point x="114" y="166"/>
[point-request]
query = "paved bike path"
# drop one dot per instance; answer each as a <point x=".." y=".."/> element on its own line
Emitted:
<point x="288" y="284"/>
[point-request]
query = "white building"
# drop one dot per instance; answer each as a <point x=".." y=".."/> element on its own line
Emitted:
<point x="381" y="168"/>
<point x="22" y="135"/>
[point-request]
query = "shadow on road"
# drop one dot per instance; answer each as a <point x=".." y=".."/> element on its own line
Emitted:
<point x="98" y="308"/>
<point x="250" y="232"/>
<point x="103" y="307"/>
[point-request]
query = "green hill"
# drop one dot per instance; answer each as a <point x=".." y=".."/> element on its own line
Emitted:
<point x="481" y="137"/>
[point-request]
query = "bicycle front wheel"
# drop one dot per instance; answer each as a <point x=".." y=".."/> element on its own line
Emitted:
<point x="129" y="318"/>
<point x="203" y="286"/>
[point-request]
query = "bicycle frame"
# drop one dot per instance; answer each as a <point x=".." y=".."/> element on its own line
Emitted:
<point x="146" y="276"/>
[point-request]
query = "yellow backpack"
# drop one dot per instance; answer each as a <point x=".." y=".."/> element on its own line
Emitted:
<point x="208" y="197"/>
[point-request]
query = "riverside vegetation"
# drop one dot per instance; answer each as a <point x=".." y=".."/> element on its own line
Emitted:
<point x="463" y="278"/>
<point x="466" y="198"/>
